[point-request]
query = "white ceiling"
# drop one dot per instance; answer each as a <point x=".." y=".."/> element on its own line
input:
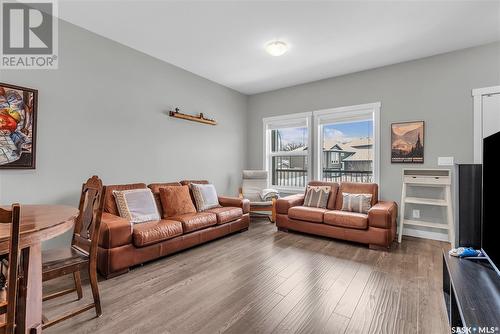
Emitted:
<point x="224" y="41"/>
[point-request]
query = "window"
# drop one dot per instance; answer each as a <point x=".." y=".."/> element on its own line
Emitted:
<point x="347" y="151"/>
<point x="347" y="143"/>
<point x="343" y="141"/>
<point x="287" y="150"/>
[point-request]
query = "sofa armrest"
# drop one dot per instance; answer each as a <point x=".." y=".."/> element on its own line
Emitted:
<point x="383" y="214"/>
<point x="242" y="203"/>
<point x="115" y="231"/>
<point x="285" y="203"/>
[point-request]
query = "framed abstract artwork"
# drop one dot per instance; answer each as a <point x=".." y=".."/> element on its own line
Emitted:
<point x="407" y="142"/>
<point x="18" y="112"/>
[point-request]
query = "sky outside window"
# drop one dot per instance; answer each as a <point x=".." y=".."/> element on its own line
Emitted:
<point x="345" y="132"/>
<point x="292" y="138"/>
<point x="338" y="132"/>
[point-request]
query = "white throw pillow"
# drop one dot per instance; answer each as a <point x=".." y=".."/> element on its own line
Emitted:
<point x="136" y="205"/>
<point x="205" y="196"/>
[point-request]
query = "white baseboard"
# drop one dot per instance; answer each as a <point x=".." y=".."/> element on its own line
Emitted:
<point x="425" y="234"/>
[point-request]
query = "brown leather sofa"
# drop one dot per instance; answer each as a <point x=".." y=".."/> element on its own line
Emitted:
<point x="123" y="245"/>
<point x="377" y="228"/>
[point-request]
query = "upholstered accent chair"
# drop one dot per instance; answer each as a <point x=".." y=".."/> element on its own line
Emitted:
<point x="254" y="188"/>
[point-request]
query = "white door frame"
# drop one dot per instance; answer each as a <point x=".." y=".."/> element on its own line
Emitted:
<point x="478" y="94"/>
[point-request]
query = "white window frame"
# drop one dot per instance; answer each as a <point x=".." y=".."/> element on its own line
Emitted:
<point x="346" y="114"/>
<point x="284" y="121"/>
<point x="314" y="152"/>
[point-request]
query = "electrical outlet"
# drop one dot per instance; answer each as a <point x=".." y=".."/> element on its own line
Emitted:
<point x="416" y="214"/>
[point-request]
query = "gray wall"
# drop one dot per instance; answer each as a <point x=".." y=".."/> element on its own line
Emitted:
<point x="435" y="89"/>
<point x="104" y="112"/>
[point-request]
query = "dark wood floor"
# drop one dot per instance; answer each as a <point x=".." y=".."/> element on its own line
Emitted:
<point x="263" y="281"/>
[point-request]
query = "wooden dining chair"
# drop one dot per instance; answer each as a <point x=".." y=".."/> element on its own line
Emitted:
<point x="81" y="255"/>
<point x="8" y="302"/>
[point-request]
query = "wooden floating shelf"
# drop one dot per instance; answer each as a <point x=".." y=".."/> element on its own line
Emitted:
<point x="200" y="118"/>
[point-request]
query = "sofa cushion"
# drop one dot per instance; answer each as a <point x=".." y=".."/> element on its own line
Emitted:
<point x="175" y="201"/>
<point x="136" y="205"/>
<point x="196" y="221"/>
<point x="155" y="231"/>
<point x="226" y="214"/>
<point x="346" y="219"/>
<point x="307" y="213"/>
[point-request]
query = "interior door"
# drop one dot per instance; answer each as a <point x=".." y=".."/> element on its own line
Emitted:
<point x="486" y="117"/>
<point x="491" y="114"/>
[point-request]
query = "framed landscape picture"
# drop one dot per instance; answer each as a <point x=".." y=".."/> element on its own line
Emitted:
<point x="18" y="112"/>
<point x="407" y="142"/>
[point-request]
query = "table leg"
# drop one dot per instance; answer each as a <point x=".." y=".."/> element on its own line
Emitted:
<point x="29" y="310"/>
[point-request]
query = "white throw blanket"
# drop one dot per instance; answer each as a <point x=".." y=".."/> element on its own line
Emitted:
<point x="268" y="194"/>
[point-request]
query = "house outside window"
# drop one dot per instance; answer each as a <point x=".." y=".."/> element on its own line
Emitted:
<point x="348" y="151"/>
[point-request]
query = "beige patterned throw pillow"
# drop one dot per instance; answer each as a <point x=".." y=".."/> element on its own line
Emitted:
<point x="205" y="196"/>
<point x="136" y="205"/>
<point x="317" y="196"/>
<point x="356" y="202"/>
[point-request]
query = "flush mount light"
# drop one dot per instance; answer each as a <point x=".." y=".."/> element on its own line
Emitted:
<point x="276" y="48"/>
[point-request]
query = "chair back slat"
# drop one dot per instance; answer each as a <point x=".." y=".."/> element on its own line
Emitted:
<point x="94" y="242"/>
<point x="13" y="217"/>
<point x="89" y="206"/>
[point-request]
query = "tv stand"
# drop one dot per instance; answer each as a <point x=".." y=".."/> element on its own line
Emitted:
<point x="471" y="292"/>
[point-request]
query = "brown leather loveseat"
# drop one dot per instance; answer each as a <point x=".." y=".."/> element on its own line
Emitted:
<point x="377" y="228"/>
<point x="123" y="245"/>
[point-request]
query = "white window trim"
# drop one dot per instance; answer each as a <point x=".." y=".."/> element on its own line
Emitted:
<point x="347" y="112"/>
<point x="267" y="154"/>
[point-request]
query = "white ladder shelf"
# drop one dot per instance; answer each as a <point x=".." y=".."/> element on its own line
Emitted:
<point x="427" y="178"/>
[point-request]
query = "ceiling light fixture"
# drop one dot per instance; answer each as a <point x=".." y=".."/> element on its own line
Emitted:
<point x="276" y="48"/>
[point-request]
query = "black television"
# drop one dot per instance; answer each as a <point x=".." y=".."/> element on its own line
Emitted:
<point x="490" y="230"/>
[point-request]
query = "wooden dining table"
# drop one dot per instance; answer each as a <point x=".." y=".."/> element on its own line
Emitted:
<point x="38" y="223"/>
